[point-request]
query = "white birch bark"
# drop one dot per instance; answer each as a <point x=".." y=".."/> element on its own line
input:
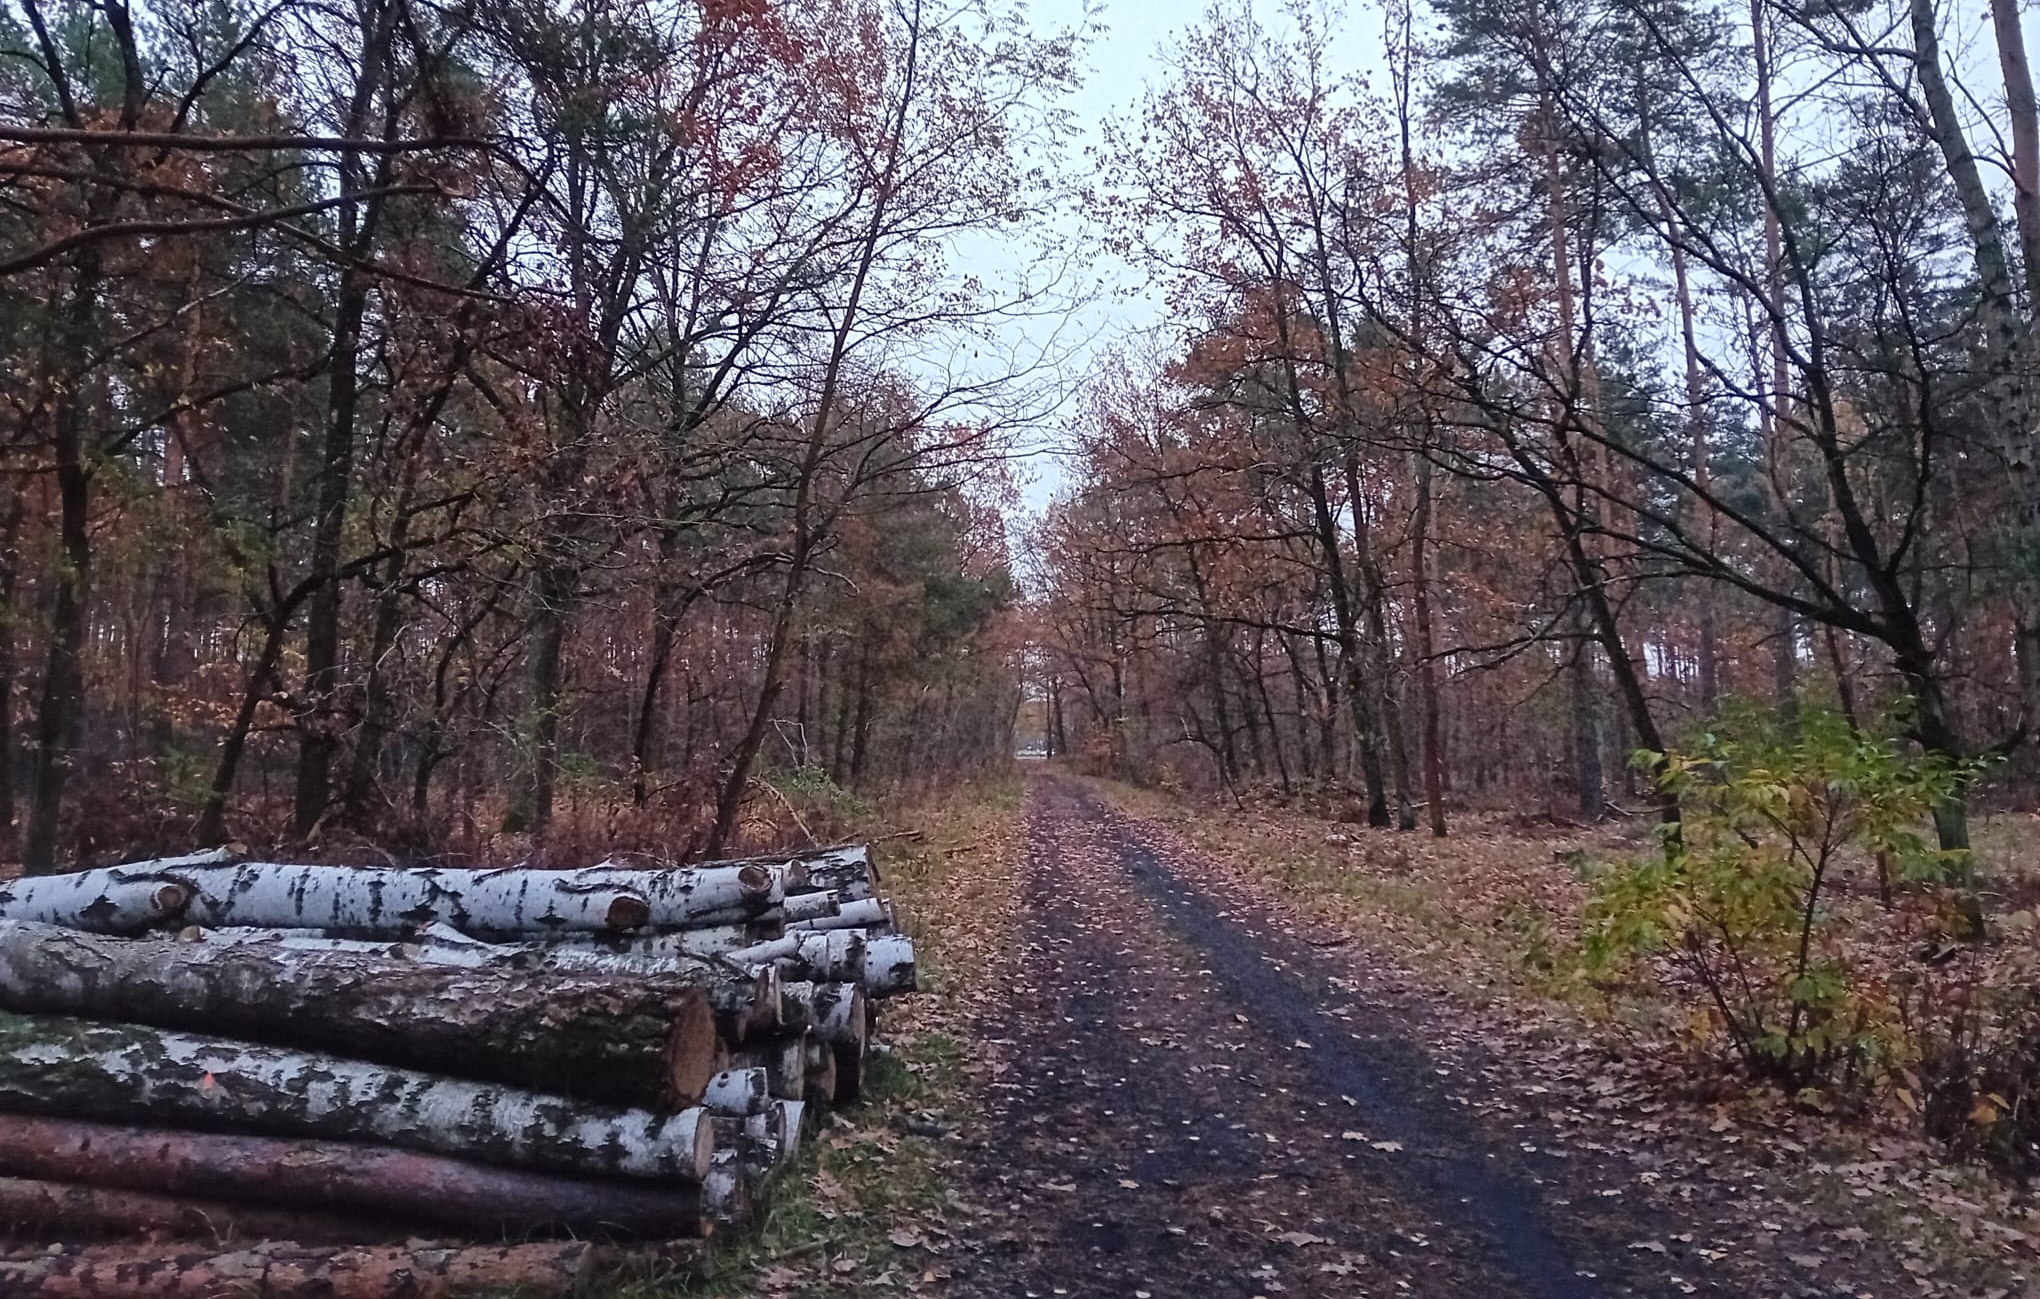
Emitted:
<point x="725" y="1191"/>
<point x="883" y="964"/>
<point x="390" y="901"/>
<point x="72" y="1068"/>
<point x="874" y="914"/>
<point x="847" y="871"/>
<point x="632" y="1041"/>
<point x="832" y="1012"/>
<point x="122" y="900"/>
<point x="801" y="907"/>
<point x="889" y="966"/>
<point x="682" y="895"/>
<point x="821" y="1071"/>
<point x="738" y="1092"/>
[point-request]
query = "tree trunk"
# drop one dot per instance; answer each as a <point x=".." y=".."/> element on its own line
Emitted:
<point x="831" y="1012"/>
<point x="1352" y="658"/>
<point x="10" y="617"/>
<point x="72" y="1212"/>
<point x="63" y="694"/>
<point x="556" y="588"/>
<point x="1380" y="665"/>
<point x="1427" y="667"/>
<point x="1771" y="421"/>
<point x="730" y="802"/>
<point x="431" y="1191"/>
<point x="1707" y="598"/>
<point x="1582" y="705"/>
<point x="125" y="1073"/>
<point x="283" y="1269"/>
<point x="626" y="1042"/>
<point x="644" y="746"/>
<point x="2024" y="113"/>
<point x="212" y="819"/>
<point x="377" y="702"/>
<point x="318" y="722"/>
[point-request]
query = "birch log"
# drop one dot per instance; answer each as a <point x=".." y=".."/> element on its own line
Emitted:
<point x="118" y="901"/>
<point x="389" y="901"/>
<point x="128" y="1073"/>
<point x="847" y="871"/>
<point x="74" y="1212"/>
<point x="379" y="1182"/>
<point x="283" y="1271"/>
<point x="747" y="996"/>
<point x="738" y="1092"/>
<point x="709" y="942"/>
<point x="873" y="914"/>
<point x="758" y="1155"/>
<point x="373" y="900"/>
<point x="883" y="964"/>
<point x="725" y="1191"/>
<point x="836" y="954"/>
<point x="801" y="907"/>
<point x="888" y="968"/>
<point x="628" y="1041"/>
<point x="213" y="890"/>
<point x="680" y="896"/>
<point x="833" y="1012"/>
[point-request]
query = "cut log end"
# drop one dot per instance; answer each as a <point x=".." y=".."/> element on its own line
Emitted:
<point x="704" y="1142"/>
<point x="627" y="911"/>
<point x="691" y="1049"/>
<point x="169" y="899"/>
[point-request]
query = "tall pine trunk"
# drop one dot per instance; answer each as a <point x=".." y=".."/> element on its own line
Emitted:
<point x="60" y="716"/>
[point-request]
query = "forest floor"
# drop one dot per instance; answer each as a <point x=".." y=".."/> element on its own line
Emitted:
<point x="1171" y="1052"/>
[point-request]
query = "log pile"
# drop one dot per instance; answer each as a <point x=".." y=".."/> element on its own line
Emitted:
<point x="350" y="1062"/>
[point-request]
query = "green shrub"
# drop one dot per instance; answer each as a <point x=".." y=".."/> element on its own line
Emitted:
<point x="1739" y="906"/>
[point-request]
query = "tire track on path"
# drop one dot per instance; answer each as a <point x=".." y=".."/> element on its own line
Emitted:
<point x="1173" y="1112"/>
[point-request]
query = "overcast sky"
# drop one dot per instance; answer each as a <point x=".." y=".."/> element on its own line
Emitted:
<point x="1118" y="64"/>
<point x="1122" y="59"/>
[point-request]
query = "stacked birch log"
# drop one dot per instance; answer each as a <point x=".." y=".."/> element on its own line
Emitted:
<point x="346" y="1057"/>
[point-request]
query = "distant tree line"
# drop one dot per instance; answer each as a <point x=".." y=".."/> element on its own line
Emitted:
<point x="1606" y="359"/>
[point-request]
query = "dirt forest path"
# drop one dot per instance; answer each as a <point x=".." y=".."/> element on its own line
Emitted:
<point x="1185" y="1101"/>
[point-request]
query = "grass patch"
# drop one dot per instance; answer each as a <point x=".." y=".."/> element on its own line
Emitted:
<point x="1486" y="911"/>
